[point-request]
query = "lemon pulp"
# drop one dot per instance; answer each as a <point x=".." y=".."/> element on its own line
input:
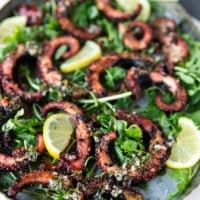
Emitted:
<point x="185" y="151"/>
<point x="89" y="53"/>
<point x="9" y="26"/>
<point x="57" y="132"/>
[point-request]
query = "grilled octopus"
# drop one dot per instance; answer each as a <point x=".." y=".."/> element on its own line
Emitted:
<point x="174" y="87"/>
<point x="157" y="150"/>
<point x="9" y="85"/>
<point x="16" y="161"/>
<point x="111" y="13"/>
<point x="66" y="24"/>
<point x="137" y="40"/>
<point x="70" y="162"/>
<point x="36" y="177"/>
<point x="173" y="46"/>
<point x="126" y="60"/>
<point x="107" y="189"/>
<point x="47" y="72"/>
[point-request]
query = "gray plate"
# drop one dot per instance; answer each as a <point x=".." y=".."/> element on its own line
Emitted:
<point x="161" y="184"/>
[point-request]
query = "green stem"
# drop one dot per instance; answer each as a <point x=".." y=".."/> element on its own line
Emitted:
<point x="106" y="99"/>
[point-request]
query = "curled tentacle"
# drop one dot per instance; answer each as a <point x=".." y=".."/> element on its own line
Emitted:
<point x="95" y="70"/>
<point x="157" y="150"/>
<point x="174" y="87"/>
<point x="125" y="60"/>
<point x="76" y="161"/>
<point x="106" y="8"/>
<point x="66" y="24"/>
<point x="9" y="86"/>
<point x="35" y="177"/>
<point x="45" y="66"/>
<point x="32" y="12"/>
<point x="138" y="40"/>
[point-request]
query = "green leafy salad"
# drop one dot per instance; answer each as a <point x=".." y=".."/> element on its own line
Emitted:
<point x="98" y="100"/>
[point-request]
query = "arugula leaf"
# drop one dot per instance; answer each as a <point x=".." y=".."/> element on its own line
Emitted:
<point x="134" y="131"/>
<point x="113" y="76"/>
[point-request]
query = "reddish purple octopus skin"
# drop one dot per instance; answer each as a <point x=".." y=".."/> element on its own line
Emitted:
<point x="47" y="72"/>
<point x="132" y="41"/>
<point x="174" y="86"/>
<point x="70" y="162"/>
<point x="9" y="86"/>
<point x="17" y="160"/>
<point x="157" y="149"/>
<point x="113" y="14"/>
<point x="35" y="177"/>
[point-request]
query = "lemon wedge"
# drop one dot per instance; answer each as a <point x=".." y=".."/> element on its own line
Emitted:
<point x="130" y="5"/>
<point x="89" y="53"/>
<point x="9" y="26"/>
<point x="57" y="132"/>
<point x="185" y="151"/>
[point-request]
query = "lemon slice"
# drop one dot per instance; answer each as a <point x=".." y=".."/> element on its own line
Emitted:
<point x="9" y="26"/>
<point x="57" y="132"/>
<point x="185" y="151"/>
<point x="130" y="5"/>
<point x="89" y="53"/>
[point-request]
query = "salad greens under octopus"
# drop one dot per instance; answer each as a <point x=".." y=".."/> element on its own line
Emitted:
<point x="125" y="104"/>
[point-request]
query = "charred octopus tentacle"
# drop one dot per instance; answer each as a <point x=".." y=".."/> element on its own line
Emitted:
<point x="138" y="35"/>
<point x="70" y="162"/>
<point x="157" y="150"/>
<point x="126" y="60"/>
<point x="66" y="24"/>
<point x="14" y="162"/>
<point x="45" y="66"/>
<point x="173" y="85"/>
<point x="106" y="8"/>
<point x="8" y="84"/>
<point x="35" y="177"/>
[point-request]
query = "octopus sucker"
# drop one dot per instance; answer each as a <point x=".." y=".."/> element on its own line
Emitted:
<point x="35" y="177"/>
<point x="111" y="13"/>
<point x="9" y="86"/>
<point x="173" y="85"/>
<point x="67" y="25"/>
<point x="69" y="162"/>
<point x="157" y="155"/>
<point x="47" y="72"/>
<point x="137" y="40"/>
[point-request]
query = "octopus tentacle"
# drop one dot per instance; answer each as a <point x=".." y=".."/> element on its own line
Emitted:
<point x="76" y="161"/>
<point x="66" y="24"/>
<point x="105" y="7"/>
<point x="13" y="162"/>
<point x="157" y="150"/>
<point x="126" y="60"/>
<point x="8" y="84"/>
<point x="35" y="177"/>
<point x="138" y="41"/>
<point x="174" y="87"/>
<point x="45" y="66"/>
<point x="95" y="70"/>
